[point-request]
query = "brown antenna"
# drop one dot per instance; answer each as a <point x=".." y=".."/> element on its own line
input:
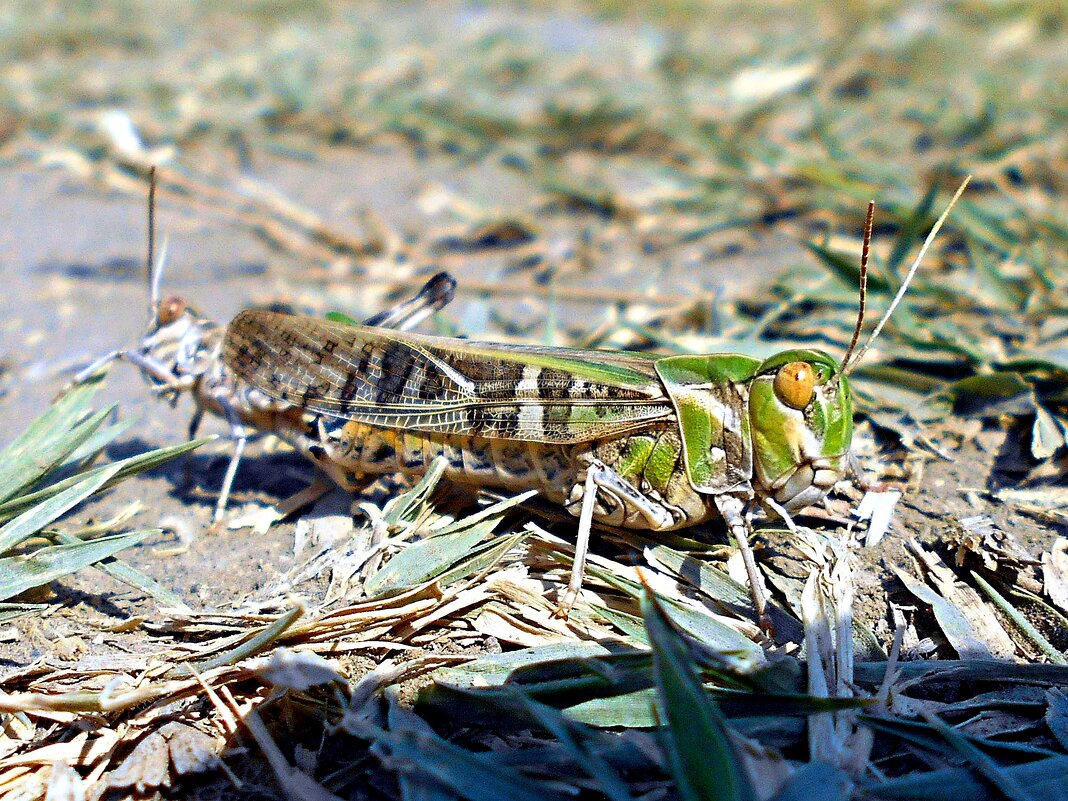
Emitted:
<point x="869" y="220"/>
<point x="912" y="270"/>
<point x="150" y="259"/>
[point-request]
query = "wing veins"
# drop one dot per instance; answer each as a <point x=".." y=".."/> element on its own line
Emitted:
<point x="348" y="372"/>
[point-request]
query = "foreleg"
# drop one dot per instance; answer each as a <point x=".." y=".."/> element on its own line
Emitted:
<point x="601" y="477"/>
<point x="732" y="509"/>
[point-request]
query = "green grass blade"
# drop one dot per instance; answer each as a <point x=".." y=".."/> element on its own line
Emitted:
<point x="922" y="735"/>
<point x="702" y="758"/>
<point x="96" y="443"/>
<point x="717" y="586"/>
<point x="9" y="612"/>
<point x="846" y="269"/>
<point x="1056" y="716"/>
<point x="1046" y="778"/>
<point x="406" y="506"/>
<point x="987" y="767"/>
<point x="120" y="571"/>
<point x="60" y="417"/>
<point x="634" y="710"/>
<point x="21" y="573"/>
<point x="733" y="648"/>
<point x="483" y="558"/>
<point x="127" y="467"/>
<point x="472" y="776"/>
<point x="28" y="467"/>
<point x="30" y="522"/>
<point x="414" y="787"/>
<point x="429" y="557"/>
<point x="564" y="731"/>
<point x="816" y="780"/>
<point x="1022" y="623"/>
<point x="910" y="230"/>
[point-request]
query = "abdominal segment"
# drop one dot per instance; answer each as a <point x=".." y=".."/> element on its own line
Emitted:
<point x="513" y="465"/>
<point x="649" y="463"/>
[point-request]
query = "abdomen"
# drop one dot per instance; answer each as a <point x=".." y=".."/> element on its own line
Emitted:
<point x="503" y="464"/>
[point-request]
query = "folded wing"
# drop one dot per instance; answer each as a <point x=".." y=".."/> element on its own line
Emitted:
<point x="438" y="384"/>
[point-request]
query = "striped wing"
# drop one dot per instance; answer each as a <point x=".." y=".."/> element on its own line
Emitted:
<point x="453" y="386"/>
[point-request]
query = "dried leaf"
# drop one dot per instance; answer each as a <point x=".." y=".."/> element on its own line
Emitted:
<point x="953" y="623"/>
<point x="64" y="784"/>
<point x="191" y="750"/>
<point x="146" y="768"/>
<point x="967" y="601"/>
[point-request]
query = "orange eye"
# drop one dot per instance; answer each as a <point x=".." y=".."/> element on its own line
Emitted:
<point x="794" y="384"/>
<point x="171" y="309"/>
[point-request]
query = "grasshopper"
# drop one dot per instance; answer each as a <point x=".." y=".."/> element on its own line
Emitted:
<point x="179" y="355"/>
<point x="628" y="439"/>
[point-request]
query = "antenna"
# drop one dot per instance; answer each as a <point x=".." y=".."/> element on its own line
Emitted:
<point x="153" y="273"/>
<point x="863" y="285"/>
<point x="908" y="276"/>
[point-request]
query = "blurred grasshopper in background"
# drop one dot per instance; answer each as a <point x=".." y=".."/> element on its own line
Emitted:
<point x="627" y="439"/>
<point x="179" y="355"/>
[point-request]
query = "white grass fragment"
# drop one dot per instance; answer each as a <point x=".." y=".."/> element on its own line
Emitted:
<point x="64" y="784"/>
<point x="1055" y="573"/>
<point x="877" y="507"/>
<point x="297" y="670"/>
<point x="827" y="613"/>
<point x="256" y="517"/>
<point x="757" y="84"/>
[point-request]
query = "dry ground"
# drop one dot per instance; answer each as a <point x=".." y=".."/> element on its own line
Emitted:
<point x="587" y="174"/>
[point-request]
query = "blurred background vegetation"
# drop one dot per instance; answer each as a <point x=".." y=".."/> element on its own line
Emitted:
<point x="683" y="176"/>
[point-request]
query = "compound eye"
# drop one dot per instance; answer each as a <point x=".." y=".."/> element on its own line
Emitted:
<point x="171" y="309"/>
<point x="794" y="384"/>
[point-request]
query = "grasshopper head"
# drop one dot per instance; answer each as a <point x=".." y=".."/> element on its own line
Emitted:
<point x="177" y="343"/>
<point x="801" y="417"/>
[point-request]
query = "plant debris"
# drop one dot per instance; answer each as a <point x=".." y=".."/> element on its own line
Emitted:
<point x="601" y="176"/>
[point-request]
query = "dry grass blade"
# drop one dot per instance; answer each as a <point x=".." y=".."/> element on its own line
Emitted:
<point x="978" y="632"/>
<point x="827" y="610"/>
<point x="951" y="620"/>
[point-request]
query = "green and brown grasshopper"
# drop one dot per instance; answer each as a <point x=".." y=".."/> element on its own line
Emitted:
<point x="627" y="439"/>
